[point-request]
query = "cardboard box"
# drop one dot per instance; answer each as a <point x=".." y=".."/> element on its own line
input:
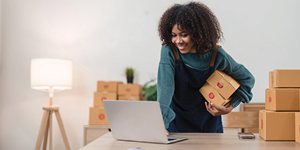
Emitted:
<point x="130" y="97"/>
<point x="271" y="79"/>
<point x="276" y="125"/>
<point x="111" y="86"/>
<point x="284" y="78"/>
<point x="267" y="99"/>
<point x="297" y="127"/>
<point x="99" y="97"/>
<point x="129" y="89"/>
<point x="223" y="83"/>
<point x="98" y="116"/>
<point x="211" y="95"/>
<point x="282" y="99"/>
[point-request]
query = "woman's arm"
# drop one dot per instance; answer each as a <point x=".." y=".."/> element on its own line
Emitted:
<point x="240" y="73"/>
<point x="166" y="84"/>
<point x="216" y="110"/>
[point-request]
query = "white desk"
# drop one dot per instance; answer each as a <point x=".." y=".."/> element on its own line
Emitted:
<point x="196" y="141"/>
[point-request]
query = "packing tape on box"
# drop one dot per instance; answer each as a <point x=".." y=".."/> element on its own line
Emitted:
<point x="228" y="78"/>
<point x="104" y="92"/>
<point x="129" y="97"/>
<point x="221" y="84"/>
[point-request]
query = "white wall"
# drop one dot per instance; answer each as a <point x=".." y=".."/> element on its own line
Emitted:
<point x="104" y="37"/>
<point x="0" y="31"/>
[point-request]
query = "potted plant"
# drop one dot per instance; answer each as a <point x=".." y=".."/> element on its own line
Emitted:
<point x="129" y="72"/>
<point x="150" y="90"/>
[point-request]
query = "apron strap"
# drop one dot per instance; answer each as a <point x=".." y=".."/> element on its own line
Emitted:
<point x="174" y="52"/>
<point x="212" y="62"/>
<point x="213" y="57"/>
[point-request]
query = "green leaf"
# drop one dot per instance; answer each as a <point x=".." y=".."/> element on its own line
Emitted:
<point x="129" y="71"/>
<point x="150" y="90"/>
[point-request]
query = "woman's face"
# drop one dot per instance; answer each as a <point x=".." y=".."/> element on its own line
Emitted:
<point x="182" y="40"/>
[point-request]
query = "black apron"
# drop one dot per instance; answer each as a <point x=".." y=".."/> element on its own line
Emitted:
<point x="188" y="103"/>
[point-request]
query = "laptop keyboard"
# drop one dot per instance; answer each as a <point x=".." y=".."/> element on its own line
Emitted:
<point x="171" y="139"/>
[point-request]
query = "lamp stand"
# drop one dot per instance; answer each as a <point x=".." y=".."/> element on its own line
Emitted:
<point x="46" y="126"/>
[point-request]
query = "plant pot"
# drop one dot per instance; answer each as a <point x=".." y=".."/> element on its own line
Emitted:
<point x="129" y="79"/>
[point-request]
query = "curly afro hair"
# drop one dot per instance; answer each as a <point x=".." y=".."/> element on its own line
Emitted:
<point x="195" y="18"/>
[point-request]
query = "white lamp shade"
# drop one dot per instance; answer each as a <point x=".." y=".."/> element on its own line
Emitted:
<point x="49" y="73"/>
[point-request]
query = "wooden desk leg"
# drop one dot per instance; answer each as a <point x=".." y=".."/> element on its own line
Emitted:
<point x="47" y="131"/>
<point x="62" y="130"/>
<point x="42" y="130"/>
<point x="50" y="138"/>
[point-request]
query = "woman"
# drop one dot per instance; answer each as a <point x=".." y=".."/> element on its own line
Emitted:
<point x="189" y="55"/>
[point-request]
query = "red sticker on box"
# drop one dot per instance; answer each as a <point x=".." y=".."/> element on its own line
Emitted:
<point x="103" y="98"/>
<point x="261" y="124"/>
<point x="128" y="90"/>
<point x="211" y="95"/>
<point x="105" y="86"/>
<point x="270" y="99"/>
<point x="219" y="85"/>
<point x="101" y="116"/>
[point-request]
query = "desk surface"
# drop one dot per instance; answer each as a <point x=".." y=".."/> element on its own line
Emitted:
<point x="196" y="141"/>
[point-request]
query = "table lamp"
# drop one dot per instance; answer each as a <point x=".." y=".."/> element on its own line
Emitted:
<point x="51" y="75"/>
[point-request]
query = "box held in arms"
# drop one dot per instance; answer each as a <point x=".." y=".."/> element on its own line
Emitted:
<point x="218" y="88"/>
<point x="212" y="95"/>
<point x="223" y="83"/>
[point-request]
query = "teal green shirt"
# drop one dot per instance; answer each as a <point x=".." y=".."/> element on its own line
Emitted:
<point x="224" y="62"/>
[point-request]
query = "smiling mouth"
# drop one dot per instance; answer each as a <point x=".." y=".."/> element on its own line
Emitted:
<point x="181" y="47"/>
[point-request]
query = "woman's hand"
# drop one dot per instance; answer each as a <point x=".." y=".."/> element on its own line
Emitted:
<point x="167" y="132"/>
<point x="218" y="110"/>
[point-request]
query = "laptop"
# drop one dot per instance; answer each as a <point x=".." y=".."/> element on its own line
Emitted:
<point x="137" y="121"/>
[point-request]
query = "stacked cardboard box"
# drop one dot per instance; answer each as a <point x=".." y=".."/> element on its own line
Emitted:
<point x="105" y="91"/>
<point x="277" y="125"/>
<point x="218" y="88"/>
<point x="297" y="127"/>
<point x="130" y="92"/>
<point x="277" y="121"/>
